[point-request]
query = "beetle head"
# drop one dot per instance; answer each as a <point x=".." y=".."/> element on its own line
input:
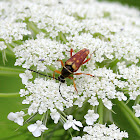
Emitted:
<point x="61" y="79"/>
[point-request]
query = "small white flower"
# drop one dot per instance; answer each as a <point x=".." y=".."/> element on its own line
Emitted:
<point x="93" y="101"/>
<point x="72" y="123"/>
<point x="37" y="128"/>
<point x="2" y="45"/>
<point x="79" y="101"/>
<point x="121" y="96"/>
<point x="91" y="117"/>
<point x="55" y="115"/>
<point x="42" y="108"/>
<point x="23" y="92"/>
<point x="26" y="76"/>
<point x="107" y="103"/>
<point x="16" y="117"/>
<point x="33" y="108"/>
<point x="137" y="110"/>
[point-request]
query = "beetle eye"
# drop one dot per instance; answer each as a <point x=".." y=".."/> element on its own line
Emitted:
<point x="63" y="80"/>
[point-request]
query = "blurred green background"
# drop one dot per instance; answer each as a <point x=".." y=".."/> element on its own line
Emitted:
<point x="12" y="84"/>
<point x="134" y="3"/>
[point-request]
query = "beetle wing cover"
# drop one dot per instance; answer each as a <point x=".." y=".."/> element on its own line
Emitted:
<point x="77" y="60"/>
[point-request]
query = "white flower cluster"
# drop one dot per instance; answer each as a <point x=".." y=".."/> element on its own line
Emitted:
<point x="103" y="85"/>
<point x="34" y="50"/>
<point x="102" y="132"/>
<point x="12" y="31"/>
<point x="44" y="94"/>
<point x="11" y="26"/>
<point x="132" y="74"/>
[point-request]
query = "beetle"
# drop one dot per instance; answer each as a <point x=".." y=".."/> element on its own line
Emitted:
<point x="70" y="67"/>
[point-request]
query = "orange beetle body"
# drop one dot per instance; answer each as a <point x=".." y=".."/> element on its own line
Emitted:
<point x="77" y="60"/>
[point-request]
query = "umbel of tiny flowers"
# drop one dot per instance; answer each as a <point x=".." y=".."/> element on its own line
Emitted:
<point x="102" y="132"/>
<point x="41" y="32"/>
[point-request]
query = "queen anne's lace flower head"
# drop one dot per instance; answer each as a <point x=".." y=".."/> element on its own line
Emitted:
<point x="42" y="32"/>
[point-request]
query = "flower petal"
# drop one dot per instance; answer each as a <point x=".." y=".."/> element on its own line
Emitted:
<point x="19" y="121"/>
<point x="67" y="126"/>
<point x="12" y="116"/>
<point x="32" y="127"/>
<point x="78" y="123"/>
<point x="75" y="128"/>
<point x="43" y="127"/>
<point x="37" y="133"/>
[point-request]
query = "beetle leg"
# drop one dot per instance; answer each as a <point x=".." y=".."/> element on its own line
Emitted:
<point x="73" y="83"/>
<point x="61" y="62"/>
<point x="87" y="60"/>
<point x="71" y="50"/>
<point x="83" y="73"/>
<point x="57" y="71"/>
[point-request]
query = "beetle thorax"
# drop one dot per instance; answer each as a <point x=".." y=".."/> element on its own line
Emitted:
<point x="66" y="71"/>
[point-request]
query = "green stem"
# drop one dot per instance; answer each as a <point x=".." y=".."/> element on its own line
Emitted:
<point x="10" y="71"/>
<point x="100" y="111"/>
<point x="134" y="121"/>
<point x="8" y="94"/>
<point x="137" y="101"/>
<point x="10" y="48"/>
<point x="32" y="26"/>
<point x="63" y="37"/>
<point x="9" y="53"/>
<point x="46" y="117"/>
<point x="130" y="112"/>
<point x="4" y="57"/>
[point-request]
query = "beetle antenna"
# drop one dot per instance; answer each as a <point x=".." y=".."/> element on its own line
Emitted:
<point x="60" y="92"/>
<point x="42" y="74"/>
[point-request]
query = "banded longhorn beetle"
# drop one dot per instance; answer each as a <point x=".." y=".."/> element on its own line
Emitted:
<point x="70" y="67"/>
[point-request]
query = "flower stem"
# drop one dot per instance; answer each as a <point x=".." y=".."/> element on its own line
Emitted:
<point x="8" y="94"/>
<point x="63" y="37"/>
<point x="137" y="101"/>
<point x="100" y="111"/>
<point x="33" y="27"/>
<point x="9" y="53"/>
<point x="10" y="71"/>
<point x="134" y="121"/>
